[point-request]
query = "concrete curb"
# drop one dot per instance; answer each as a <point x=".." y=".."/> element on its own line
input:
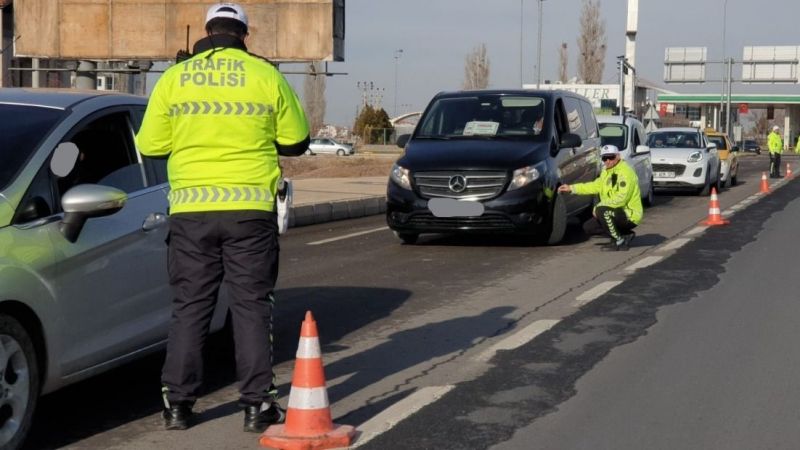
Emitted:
<point x="322" y="212"/>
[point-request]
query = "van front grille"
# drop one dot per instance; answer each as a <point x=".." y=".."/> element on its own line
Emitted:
<point x="464" y="184"/>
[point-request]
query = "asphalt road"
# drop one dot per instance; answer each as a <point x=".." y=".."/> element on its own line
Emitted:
<point x="396" y="319"/>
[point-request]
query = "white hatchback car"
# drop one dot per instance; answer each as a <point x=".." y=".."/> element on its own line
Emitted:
<point x="628" y="135"/>
<point x="684" y="158"/>
<point x="329" y="146"/>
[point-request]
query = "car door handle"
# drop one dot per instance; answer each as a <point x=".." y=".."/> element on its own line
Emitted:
<point x="154" y="220"/>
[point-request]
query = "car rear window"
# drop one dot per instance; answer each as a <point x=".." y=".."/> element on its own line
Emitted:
<point x="614" y="134"/>
<point x="720" y="141"/>
<point x="490" y="115"/>
<point x="22" y="128"/>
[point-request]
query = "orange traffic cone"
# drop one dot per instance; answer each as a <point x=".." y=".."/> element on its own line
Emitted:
<point x="714" y="214"/>
<point x="788" y="171"/>
<point x="764" y="185"/>
<point x="308" y="417"/>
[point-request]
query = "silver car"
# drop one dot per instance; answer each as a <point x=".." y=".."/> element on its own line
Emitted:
<point x="328" y="146"/>
<point x="83" y="218"/>
<point x="628" y="135"/>
<point x="683" y="158"/>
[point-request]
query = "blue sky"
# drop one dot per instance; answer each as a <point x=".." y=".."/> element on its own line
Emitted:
<point x="436" y="35"/>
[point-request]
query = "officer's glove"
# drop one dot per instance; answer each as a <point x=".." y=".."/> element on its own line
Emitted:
<point x="182" y="55"/>
<point x="284" y="203"/>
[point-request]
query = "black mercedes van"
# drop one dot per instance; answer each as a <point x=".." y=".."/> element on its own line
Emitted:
<point x="491" y="161"/>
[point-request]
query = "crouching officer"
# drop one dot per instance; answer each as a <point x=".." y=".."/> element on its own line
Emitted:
<point x="620" y="208"/>
<point x="222" y="117"/>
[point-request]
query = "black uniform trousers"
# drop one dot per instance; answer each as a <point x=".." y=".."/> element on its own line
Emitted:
<point x="774" y="164"/>
<point x="612" y="222"/>
<point x="240" y="247"/>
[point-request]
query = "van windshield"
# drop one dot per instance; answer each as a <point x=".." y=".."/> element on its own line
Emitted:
<point x="484" y="116"/>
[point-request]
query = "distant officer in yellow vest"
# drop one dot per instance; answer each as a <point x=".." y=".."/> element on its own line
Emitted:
<point x="775" y="145"/>
<point x="222" y="117"/>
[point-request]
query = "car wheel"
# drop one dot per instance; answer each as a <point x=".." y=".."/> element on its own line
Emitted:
<point x="558" y="222"/>
<point x="734" y="177"/>
<point x="309" y="152"/>
<point x="407" y="238"/>
<point x="340" y="152"/>
<point x="718" y="183"/>
<point x="19" y="382"/>
<point x="650" y="198"/>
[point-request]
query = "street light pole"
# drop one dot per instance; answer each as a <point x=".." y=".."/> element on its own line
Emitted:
<point x="397" y="54"/>
<point x="724" y="67"/>
<point x="520" y="42"/>
<point x="539" y="51"/>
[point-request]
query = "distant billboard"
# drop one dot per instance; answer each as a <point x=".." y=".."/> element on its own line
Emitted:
<point x="281" y="30"/>
<point x="596" y="93"/>
<point x="771" y="64"/>
<point x="685" y="64"/>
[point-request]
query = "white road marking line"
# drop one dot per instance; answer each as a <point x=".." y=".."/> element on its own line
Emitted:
<point x="644" y="262"/>
<point x="727" y="212"/>
<point x="347" y="236"/>
<point x="517" y="339"/>
<point x="595" y="292"/>
<point x="676" y="244"/>
<point x="753" y="197"/>
<point x="396" y="413"/>
<point x="695" y="230"/>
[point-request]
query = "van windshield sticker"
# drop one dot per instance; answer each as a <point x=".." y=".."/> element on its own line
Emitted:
<point x="481" y="128"/>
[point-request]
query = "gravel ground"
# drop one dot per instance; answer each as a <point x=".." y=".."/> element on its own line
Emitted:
<point x="324" y="166"/>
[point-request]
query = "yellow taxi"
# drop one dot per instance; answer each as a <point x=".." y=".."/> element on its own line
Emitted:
<point x="728" y="155"/>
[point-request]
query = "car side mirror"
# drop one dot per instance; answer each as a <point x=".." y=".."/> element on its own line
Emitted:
<point x="642" y="150"/>
<point x="570" y="140"/>
<point x="402" y="140"/>
<point x="85" y="201"/>
<point x="710" y="147"/>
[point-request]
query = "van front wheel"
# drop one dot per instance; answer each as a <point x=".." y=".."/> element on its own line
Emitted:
<point x="558" y="222"/>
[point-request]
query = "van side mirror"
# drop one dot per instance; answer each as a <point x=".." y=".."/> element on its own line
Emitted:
<point x="570" y="140"/>
<point x="642" y="150"/>
<point x="402" y="140"/>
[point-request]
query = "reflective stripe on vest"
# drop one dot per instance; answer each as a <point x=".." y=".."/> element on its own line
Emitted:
<point x="213" y="194"/>
<point x="222" y="108"/>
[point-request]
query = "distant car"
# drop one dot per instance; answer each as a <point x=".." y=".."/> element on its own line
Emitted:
<point x="749" y="145"/>
<point x="329" y="146"/>
<point x="728" y="154"/>
<point x="628" y="135"/>
<point x="683" y="158"/>
<point x="83" y="218"/>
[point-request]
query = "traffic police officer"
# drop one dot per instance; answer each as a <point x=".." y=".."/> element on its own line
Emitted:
<point x="620" y="208"/>
<point x="222" y="117"/>
<point x="775" y="145"/>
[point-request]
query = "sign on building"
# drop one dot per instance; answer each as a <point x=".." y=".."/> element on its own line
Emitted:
<point x="685" y="64"/>
<point x="596" y="93"/>
<point x="281" y="30"/>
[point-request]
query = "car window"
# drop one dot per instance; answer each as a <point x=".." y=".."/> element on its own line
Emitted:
<point x="107" y="155"/>
<point x="38" y="201"/>
<point x="481" y="116"/>
<point x="614" y="134"/>
<point x="572" y="107"/>
<point x="681" y="139"/>
<point x="720" y="141"/>
<point x="22" y="128"/>
<point x="155" y="168"/>
<point x="589" y="119"/>
<point x="637" y="137"/>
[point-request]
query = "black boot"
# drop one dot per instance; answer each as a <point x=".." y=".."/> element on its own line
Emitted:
<point x="177" y="417"/>
<point x="258" y="418"/>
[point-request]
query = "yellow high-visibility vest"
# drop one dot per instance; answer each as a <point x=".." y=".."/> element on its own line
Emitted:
<point x="218" y="116"/>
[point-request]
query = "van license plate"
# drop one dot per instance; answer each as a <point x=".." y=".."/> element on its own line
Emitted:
<point x="450" y="207"/>
<point x="664" y="174"/>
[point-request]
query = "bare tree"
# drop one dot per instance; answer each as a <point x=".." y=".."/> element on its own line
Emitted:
<point x="314" y="97"/>
<point x="562" y="63"/>
<point x="591" y="43"/>
<point x="476" y="69"/>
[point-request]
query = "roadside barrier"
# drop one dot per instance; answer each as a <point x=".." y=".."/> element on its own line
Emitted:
<point x="764" y="185"/>
<point x="788" y="171"/>
<point x="714" y="214"/>
<point x="308" y="416"/>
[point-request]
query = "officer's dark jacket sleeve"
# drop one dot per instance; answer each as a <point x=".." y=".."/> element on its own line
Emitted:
<point x="293" y="149"/>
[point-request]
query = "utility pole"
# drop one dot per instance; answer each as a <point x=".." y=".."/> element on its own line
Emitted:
<point x="539" y="51"/>
<point x="397" y="54"/>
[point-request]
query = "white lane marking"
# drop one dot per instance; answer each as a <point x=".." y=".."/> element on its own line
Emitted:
<point x="676" y="244"/>
<point x="695" y="230"/>
<point x="728" y="212"/>
<point x="394" y="414"/>
<point x="517" y="339"/>
<point x="644" y="262"/>
<point x="347" y="236"/>
<point x="753" y="197"/>
<point x="595" y="292"/>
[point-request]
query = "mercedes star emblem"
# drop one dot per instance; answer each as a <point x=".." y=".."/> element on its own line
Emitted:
<point x="457" y="183"/>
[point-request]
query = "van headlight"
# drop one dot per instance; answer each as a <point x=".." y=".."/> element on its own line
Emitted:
<point x="400" y="176"/>
<point x="695" y="157"/>
<point x="523" y="177"/>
